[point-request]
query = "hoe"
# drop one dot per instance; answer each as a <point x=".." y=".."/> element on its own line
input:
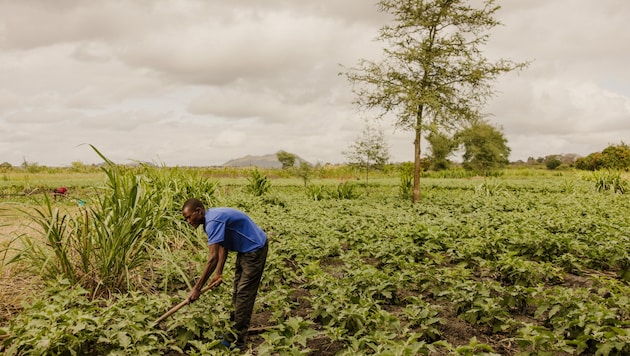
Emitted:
<point x="187" y="301"/>
<point x="178" y="307"/>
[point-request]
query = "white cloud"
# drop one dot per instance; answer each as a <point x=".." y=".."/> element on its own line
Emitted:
<point x="197" y="82"/>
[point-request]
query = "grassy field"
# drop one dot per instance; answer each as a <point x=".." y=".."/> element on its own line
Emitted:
<point x="531" y="262"/>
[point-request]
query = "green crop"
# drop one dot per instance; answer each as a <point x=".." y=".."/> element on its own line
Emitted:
<point x="528" y="263"/>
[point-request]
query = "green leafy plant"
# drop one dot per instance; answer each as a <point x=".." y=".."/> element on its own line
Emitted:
<point x="258" y="184"/>
<point x="610" y="181"/>
<point x="104" y="245"/>
<point x="423" y="318"/>
<point x="405" y="187"/>
<point x="289" y="338"/>
<point x="69" y="323"/>
<point x="490" y="188"/>
<point x="317" y="192"/>
<point x="346" y="190"/>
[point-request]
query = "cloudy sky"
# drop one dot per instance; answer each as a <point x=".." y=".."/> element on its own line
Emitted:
<point x="200" y="82"/>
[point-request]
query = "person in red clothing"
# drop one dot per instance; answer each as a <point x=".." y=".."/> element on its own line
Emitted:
<point x="60" y="192"/>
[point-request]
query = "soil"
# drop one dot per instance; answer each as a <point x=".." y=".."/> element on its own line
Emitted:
<point x="454" y="330"/>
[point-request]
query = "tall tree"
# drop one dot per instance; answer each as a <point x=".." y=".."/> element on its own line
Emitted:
<point x="433" y="71"/>
<point x="370" y="150"/>
<point x="485" y="148"/>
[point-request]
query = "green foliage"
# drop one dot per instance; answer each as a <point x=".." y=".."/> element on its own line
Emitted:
<point x="433" y="71"/>
<point x="405" y="189"/>
<point x="289" y="338"/>
<point x="69" y="323"/>
<point x="370" y="150"/>
<point x="614" y="157"/>
<point x="317" y="192"/>
<point x="105" y="245"/>
<point x="519" y="261"/>
<point x="287" y="159"/>
<point x="490" y="187"/>
<point x="346" y="190"/>
<point x="485" y="148"/>
<point x="553" y="163"/>
<point x="305" y="171"/>
<point x="609" y="181"/>
<point x="442" y="147"/>
<point x="424" y="318"/>
<point x="258" y="184"/>
<point x="5" y="166"/>
<point x="32" y="167"/>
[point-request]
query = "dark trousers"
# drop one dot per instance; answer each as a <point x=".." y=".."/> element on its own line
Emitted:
<point x="247" y="275"/>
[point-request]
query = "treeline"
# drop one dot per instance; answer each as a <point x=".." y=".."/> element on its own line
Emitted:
<point x="615" y="157"/>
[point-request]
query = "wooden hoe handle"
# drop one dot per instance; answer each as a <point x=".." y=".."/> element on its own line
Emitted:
<point x="178" y="307"/>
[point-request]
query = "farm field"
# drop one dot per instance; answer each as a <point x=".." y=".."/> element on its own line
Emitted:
<point x="521" y="264"/>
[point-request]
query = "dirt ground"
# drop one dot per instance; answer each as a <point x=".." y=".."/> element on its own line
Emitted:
<point x="12" y="287"/>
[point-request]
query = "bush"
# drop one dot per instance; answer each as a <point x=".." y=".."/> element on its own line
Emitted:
<point x="553" y="163"/>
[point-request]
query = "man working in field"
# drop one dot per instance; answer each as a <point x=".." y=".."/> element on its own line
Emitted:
<point x="230" y="230"/>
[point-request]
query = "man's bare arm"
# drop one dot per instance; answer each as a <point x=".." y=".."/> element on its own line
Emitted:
<point x="217" y="255"/>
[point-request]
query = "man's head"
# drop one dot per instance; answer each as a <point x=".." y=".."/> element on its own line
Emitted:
<point x="194" y="212"/>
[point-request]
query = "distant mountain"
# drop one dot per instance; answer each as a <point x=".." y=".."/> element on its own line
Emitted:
<point x="264" y="161"/>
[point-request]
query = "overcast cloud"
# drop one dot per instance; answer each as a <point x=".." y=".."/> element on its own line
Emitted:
<point x="200" y="82"/>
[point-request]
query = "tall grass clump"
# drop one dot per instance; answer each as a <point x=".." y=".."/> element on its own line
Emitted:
<point x="258" y="184"/>
<point x="104" y="246"/>
<point x="316" y="192"/>
<point x="346" y="190"/>
<point x="490" y="188"/>
<point x="610" y="181"/>
<point x="405" y="187"/>
<point x="174" y="186"/>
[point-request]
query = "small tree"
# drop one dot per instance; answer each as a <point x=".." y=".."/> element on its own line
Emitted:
<point x="485" y="148"/>
<point x="304" y="171"/>
<point x="442" y="147"/>
<point x="552" y="162"/>
<point x="287" y="159"/>
<point x="5" y="166"/>
<point x="433" y="71"/>
<point x="369" y="151"/>
<point x="617" y="156"/>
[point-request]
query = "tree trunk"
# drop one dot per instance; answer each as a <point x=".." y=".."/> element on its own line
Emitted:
<point x="367" y="178"/>
<point x="416" y="165"/>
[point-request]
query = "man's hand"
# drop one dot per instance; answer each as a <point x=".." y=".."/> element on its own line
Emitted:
<point x="215" y="281"/>
<point x="194" y="295"/>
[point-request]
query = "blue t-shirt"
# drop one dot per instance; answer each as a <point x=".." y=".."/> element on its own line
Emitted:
<point x="233" y="230"/>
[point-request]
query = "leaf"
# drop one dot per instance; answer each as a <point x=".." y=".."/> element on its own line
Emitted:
<point x="553" y="311"/>
<point x="123" y="339"/>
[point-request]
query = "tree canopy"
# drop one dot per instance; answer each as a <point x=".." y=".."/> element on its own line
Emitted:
<point x="615" y="157"/>
<point x="485" y="148"/>
<point x="287" y="159"/>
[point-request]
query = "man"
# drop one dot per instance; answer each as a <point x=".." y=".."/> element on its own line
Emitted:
<point x="230" y="230"/>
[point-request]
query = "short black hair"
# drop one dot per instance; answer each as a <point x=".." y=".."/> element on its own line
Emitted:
<point x="193" y="204"/>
